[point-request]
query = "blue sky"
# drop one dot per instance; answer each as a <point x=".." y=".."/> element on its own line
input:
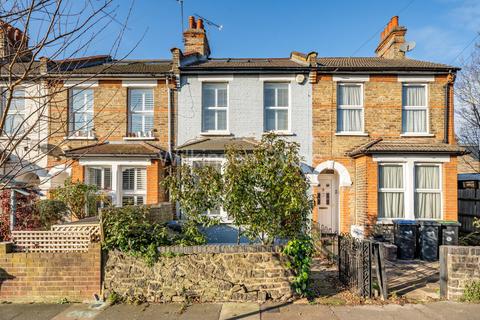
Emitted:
<point x="268" y="28"/>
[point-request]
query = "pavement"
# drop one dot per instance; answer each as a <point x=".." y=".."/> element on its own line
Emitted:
<point x="244" y="311"/>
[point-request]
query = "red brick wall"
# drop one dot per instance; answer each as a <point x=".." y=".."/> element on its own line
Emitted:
<point x="450" y="203"/>
<point x="49" y="277"/>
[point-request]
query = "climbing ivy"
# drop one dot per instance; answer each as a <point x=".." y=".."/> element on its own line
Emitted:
<point x="300" y="252"/>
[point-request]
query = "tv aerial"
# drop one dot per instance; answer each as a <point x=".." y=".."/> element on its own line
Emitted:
<point x="209" y="22"/>
<point x="408" y="46"/>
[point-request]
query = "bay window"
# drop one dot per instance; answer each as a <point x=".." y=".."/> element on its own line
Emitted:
<point x="350" y="108"/>
<point x="16" y="112"/>
<point x="410" y="190"/>
<point x="134" y="186"/>
<point x="140" y="112"/>
<point x="100" y="177"/>
<point x="214" y="107"/>
<point x="81" y="113"/>
<point x="276" y="105"/>
<point x="414" y="109"/>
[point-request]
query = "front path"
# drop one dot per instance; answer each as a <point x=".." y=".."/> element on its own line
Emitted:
<point x="436" y="310"/>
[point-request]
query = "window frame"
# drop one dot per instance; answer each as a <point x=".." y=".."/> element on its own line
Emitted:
<point x="135" y="192"/>
<point x="426" y="108"/>
<point x="71" y="114"/>
<point x="215" y="108"/>
<point x="276" y="107"/>
<point x="439" y="190"/>
<point x="144" y="113"/>
<point x="351" y="107"/>
<point x="21" y="114"/>
<point x="392" y="190"/>
<point x="102" y="168"/>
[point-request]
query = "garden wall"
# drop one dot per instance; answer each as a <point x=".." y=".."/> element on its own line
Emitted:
<point x="49" y="276"/>
<point x="210" y="273"/>
<point x="458" y="266"/>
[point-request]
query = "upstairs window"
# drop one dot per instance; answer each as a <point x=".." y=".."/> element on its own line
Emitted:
<point x="81" y="112"/>
<point x="15" y="114"/>
<point x="134" y="186"/>
<point x="428" y="193"/>
<point x="214" y="107"/>
<point x="350" y="108"/>
<point x="140" y="106"/>
<point x="391" y="191"/>
<point x="100" y="177"/>
<point x="276" y="103"/>
<point x="414" y="111"/>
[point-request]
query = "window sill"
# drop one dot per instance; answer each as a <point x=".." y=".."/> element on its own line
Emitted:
<point x="354" y="134"/>
<point x="414" y="135"/>
<point x="139" y="138"/>
<point x="216" y="133"/>
<point x="280" y="133"/>
<point x="80" y="138"/>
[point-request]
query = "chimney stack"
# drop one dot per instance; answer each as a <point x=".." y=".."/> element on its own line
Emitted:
<point x="391" y="39"/>
<point x="11" y="42"/>
<point x="195" y="38"/>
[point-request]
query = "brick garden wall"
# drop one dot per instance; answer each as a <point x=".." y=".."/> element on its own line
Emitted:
<point x="49" y="277"/>
<point x="458" y="266"/>
<point x="210" y="273"/>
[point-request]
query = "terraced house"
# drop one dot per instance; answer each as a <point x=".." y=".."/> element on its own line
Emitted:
<point x="376" y="133"/>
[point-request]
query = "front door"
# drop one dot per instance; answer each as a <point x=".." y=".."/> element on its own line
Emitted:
<point x="326" y="205"/>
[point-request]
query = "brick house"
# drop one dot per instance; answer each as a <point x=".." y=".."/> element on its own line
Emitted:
<point x="111" y="127"/>
<point x="376" y="133"/>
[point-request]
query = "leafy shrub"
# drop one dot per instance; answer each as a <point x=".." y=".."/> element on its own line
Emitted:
<point x="472" y="238"/>
<point x="472" y="292"/>
<point x="129" y="230"/>
<point x="300" y="252"/>
<point x="26" y="216"/>
<point x="50" y="212"/>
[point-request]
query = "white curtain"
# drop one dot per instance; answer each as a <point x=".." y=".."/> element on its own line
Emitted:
<point x="414" y="96"/>
<point x="390" y="200"/>
<point x="427" y="194"/>
<point x="349" y="95"/>
<point x="414" y="120"/>
<point x="350" y="120"/>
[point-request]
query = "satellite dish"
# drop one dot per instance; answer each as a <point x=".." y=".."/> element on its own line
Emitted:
<point x="407" y="46"/>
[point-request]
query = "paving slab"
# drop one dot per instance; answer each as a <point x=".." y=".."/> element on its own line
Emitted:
<point x="161" y="311"/>
<point x="298" y="311"/>
<point x="452" y="310"/>
<point x="244" y="311"/>
<point x="37" y="311"/>
<point x="81" y="311"/>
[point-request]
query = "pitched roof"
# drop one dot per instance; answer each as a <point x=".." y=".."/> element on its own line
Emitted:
<point x="405" y="146"/>
<point x="106" y="66"/>
<point x="132" y="149"/>
<point x="324" y="63"/>
<point x="218" y="144"/>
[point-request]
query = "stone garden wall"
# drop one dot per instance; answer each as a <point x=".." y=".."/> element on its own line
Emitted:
<point x="458" y="266"/>
<point x="210" y="273"/>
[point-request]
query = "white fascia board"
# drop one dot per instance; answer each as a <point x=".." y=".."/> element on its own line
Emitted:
<point x="215" y="78"/>
<point x="81" y="83"/>
<point x="351" y="78"/>
<point x="110" y="161"/>
<point x="139" y="83"/>
<point x="267" y="77"/>
<point x="422" y="78"/>
<point x="411" y="157"/>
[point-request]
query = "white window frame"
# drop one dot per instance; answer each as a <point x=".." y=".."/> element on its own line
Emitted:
<point x="410" y="161"/>
<point x="351" y="107"/>
<point x="440" y="190"/>
<point x="102" y="178"/>
<point x="216" y="108"/>
<point x="223" y="215"/>
<point x="21" y="114"/>
<point x="84" y="130"/>
<point x="144" y="113"/>
<point x="393" y="190"/>
<point x="276" y="107"/>
<point x="135" y="193"/>
<point x="426" y="108"/>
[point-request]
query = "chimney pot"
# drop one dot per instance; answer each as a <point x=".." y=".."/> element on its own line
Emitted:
<point x="395" y="21"/>
<point x="199" y="24"/>
<point x="191" y="22"/>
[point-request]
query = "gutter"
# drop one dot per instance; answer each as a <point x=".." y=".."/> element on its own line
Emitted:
<point x="447" y="112"/>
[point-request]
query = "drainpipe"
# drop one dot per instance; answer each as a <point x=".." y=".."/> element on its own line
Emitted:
<point x="447" y="112"/>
